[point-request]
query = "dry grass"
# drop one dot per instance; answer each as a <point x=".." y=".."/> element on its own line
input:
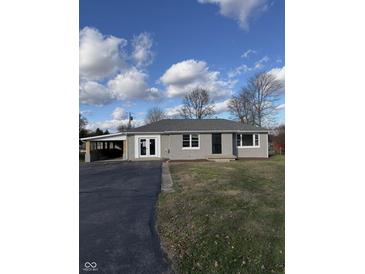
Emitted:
<point x="225" y="217"/>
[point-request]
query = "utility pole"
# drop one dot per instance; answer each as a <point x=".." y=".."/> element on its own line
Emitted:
<point x="130" y="119"/>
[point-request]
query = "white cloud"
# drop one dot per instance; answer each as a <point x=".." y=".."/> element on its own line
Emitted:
<point x="240" y="10"/>
<point x="126" y="86"/>
<point x="129" y="85"/>
<point x="93" y="93"/>
<point x="153" y="93"/>
<point x="279" y="73"/>
<point x="119" y="113"/>
<point x="282" y="106"/>
<point x="261" y="63"/>
<point x="86" y="112"/>
<point x="108" y="73"/>
<point x="100" y="56"/>
<point x="173" y="112"/>
<point x="248" y="52"/>
<point x="221" y="106"/>
<point x="185" y="72"/>
<point x="184" y="76"/>
<point x="111" y="125"/>
<point x="142" y="53"/>
<point x="239" y="70"/>
<point x="244" y="68"/>
<point x="119" y="117"/>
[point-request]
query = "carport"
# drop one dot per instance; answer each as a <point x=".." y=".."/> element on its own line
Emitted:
<point x="105" y="147"/>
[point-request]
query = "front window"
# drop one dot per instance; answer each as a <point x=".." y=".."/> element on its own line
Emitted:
<point x="248" y="140"/>
<point x="194" y="140"/>
<point x="190" y="141"/>
<point x="186" y="140"/>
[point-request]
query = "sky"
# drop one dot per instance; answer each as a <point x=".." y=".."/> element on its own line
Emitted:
<point x="137" y="54"/>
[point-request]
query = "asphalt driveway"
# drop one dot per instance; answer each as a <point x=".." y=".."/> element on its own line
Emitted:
<point x="117" y="202"/>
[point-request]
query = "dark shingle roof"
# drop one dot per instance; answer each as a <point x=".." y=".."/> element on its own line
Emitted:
<point x="181" y="125"/>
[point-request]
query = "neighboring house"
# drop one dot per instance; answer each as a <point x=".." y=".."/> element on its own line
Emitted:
<point x="181" y="139"/>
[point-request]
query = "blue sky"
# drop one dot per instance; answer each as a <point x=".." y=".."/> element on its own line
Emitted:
<point x="135" y="54"/>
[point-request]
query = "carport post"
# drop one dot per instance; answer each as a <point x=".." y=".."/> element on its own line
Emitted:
<point x="125" y="149"/>
<point x="87" y="154"/>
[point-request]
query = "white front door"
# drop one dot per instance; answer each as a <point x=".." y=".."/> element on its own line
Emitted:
<point x="147" y="147"/>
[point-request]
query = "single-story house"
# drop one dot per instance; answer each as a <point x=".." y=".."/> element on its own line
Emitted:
<point x="181" y="139"/>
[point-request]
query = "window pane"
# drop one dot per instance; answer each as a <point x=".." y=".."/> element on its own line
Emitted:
<point x="143" y="146"/>
<point x="194" y="140"/>
<point x="239" y="140"/>
<point x="256" y="140"/>
<point x="186" y="140"/>
<point x="152" y="147"/>
<point x="247" y="140"/>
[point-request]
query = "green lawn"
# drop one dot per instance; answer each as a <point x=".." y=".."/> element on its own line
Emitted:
<point x="224" y="217"/>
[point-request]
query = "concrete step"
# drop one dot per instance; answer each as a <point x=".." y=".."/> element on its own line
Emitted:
<point x="221" y="158"/>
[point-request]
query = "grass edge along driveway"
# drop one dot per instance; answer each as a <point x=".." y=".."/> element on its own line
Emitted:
<point x="224" y="217"/>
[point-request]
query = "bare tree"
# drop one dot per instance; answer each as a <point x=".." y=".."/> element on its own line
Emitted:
<point x="154" y="114"/>
<point x="257" y="101"/>
<point x="241" y="107"/>
<point x="197" y="105"/>
<point x="265" y="90"/>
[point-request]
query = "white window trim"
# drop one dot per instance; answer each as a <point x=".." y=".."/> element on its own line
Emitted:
<point x="157" y="146"/>
<point x="190" y="141"/>
<point x="253" y="141"/>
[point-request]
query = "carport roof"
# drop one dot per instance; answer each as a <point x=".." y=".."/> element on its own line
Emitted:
<point x="120" y="136"/>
